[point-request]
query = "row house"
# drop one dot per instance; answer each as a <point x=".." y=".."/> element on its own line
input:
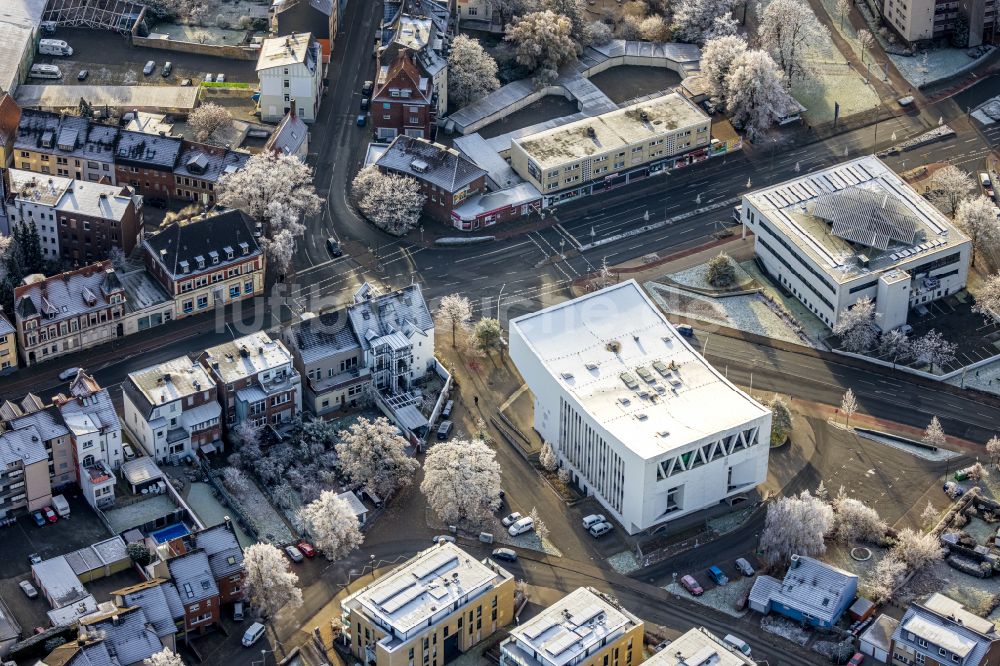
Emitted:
<point x="403" y="101"/>
<point x="146" y="162"/>
<point x="62" y="145"/>
<point x="290" y="137"/>
<point x="123" y="636"/>
<point x="47" y="421"/>
<point x="68" y="312"/>
<point x="290" y="70"/>
<point x="940" y="631"/>
<point x="200" y="167"/>
<point x="422" y="28"/>
<point x="24" y="474"/>
<point x="76" y="220"/>
<point x="172" y="410"/>
<point x="159" y="600"/>
<point x="95" y="436"/>
<point x="329" y="358"/>
<point x="206" y="261"/>
<point x="446" y="178"/>
<point x="257" y="381"/>
<point x="8" y="346"/>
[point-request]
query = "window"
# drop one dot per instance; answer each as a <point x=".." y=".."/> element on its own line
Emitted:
<point x="202" y="302"/>
<point x="188" y="306"/>
<point x="248" y="287"/>
<point x="234" y="291"/>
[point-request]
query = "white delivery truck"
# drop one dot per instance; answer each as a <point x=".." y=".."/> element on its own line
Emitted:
<point x="61" y="506"/>
<point x="40" y="71"/>
<point x="54" y="47"/>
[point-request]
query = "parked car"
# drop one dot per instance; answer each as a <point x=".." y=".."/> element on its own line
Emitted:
<point x="444" y="430"/>
<point x="238" y="611"/>
<point x="692" y="586"/>
<point x="306" y="548"/>
<point x="68" y="373"/>
<point x="333" y="247"/>
<point x="984" y="179"/>
<point x="362" y="120"/>
<point x="220" y="78"/>
<point x="34" y="558"/>
<point x="294" y="554"/>
<point x="253" y="634"/>
<point x="150" y="66"/>
<point x="38" y="518"/>
<point x="744" y="567"/>
<point x="167" y="69"/>
<point x="856" y="660"/>
<point x="506" y="554"/>
<point x="521" y="526"/>
<point x="367" y="88"/>
<point x="28" y="589"/>
<point x="448" y="406"/>
<point x="209" y="78"/>
<point x="593" y="519"/>
<point x="738" y="643"/>
<point x="50" y="514"/>
<point x="511" y="519"/>
<point x="82" y="76"/>
<point x="600" y="529"/>
<point x="128" y="452"/>
<point x="443" y="537"/>
<point x="953" y="490"/>
<point x="365" y="103"/>
<point x="715" y="573"/>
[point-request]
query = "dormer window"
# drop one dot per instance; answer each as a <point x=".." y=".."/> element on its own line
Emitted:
<point x="185" y="266"/>
<point x="229" y="252"/>
<point x="244" y="248"/>
<point x="201" y="261"/>
<point x="214" y="256"/>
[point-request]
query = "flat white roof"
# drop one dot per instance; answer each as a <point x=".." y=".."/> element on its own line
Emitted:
<point x="698" y="646"/>
<point x="572" y="626"/>
<point x="609" y="131"/>
<point x="428" y="584"/>
<point x="852" y="213"/>
<point x="615" y="352"/>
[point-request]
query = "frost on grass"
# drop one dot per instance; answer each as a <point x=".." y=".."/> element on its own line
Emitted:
<point x="723" y="598"/>
<point x="929" y="66"/>
<point x="787" y="629"/>
<point x="697" y="276"/>
<point x="624" y="562"/>
<point x="268" y="523"/>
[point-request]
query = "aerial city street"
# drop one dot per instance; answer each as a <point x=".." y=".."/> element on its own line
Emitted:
<point x="516" y="332"/>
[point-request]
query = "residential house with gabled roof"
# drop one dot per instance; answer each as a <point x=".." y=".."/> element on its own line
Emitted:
<point x="290" y="70"/>
<point x="64" y="145"/>
<point x="201" y="166"/>
<point x="206" y="261"/>
<point x="68" y="312"/>
<point x="403" y="99"/>
<point x="812" y="592"/>
<point x="446" y="178"/>
<point x="329" y="358"/>
<point x="421" y="27"/>
<point x="939" y="631"/>
<point x="159" y="600"/>
<point x="127" y="633"/>
<point x="199" y="593"/>
<point x="225" y="558"/>
<point x="146" y="162"/>
<point x="320" y="17"/>
<point x="172" y="410"/>
<point x="290" y="137"/>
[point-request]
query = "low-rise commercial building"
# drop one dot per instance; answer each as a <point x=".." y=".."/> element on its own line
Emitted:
<point x="812" y="592"/>
<point x="584" y="627"/>
<point x="852" y="231"/>
<point x="206" y="261"/>
<point x="435" y="606"/>
<point x="699" y="646"/>
<point x="256" y="379"/>
<point x="640" y="419"/>
<point x="290" y="70"/>
<point x="172" y="410"/>
<point x="602" y="152"/>
<point x="941" y="631"/>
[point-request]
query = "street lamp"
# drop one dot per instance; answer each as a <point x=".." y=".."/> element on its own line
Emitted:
<point x="499" y="296"/>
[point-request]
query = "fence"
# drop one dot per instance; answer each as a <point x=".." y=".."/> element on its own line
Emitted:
<point x="229" y="501"/>
<point x="230" y="51"/>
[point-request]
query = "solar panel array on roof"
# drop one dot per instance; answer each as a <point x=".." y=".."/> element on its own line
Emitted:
<point x="406" y="596"/>
<point x="562" y="641"/>
<point x="433" y="564"/>
<point x="872" y="219"/>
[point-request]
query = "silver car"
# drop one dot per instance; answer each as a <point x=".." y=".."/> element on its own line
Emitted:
<point x="150" y="66"/>
<point x="745" y="567"/>
<point x="600" y="529"/>
<point x="294" y="554"/>
<point x="28" y="589"/>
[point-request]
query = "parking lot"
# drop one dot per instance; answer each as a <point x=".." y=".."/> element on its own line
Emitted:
<point x="954" y="319"/>
<point x="111" y="61"/>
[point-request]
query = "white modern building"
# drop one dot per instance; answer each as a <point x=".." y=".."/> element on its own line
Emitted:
<point x="290" y="70"/>
<point x="856" y="230"/>
<point x="641" y="420"/>
<point x="699" y="646"/>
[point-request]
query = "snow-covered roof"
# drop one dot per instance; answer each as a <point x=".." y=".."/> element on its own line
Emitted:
<point x="879" y="633"/>
<point x="573" y="626"/>
<point x="698" y="646"/>
<point x="287" y="50"/>
<point x="615" y="353"/>
<point x="941" y="623"/>
<point x="61" y="585"/>
<point x="246" y="357"/>
<point x="352" y="500"/>
<point x="810" y="586"/>
<point x="140" y="470"/>
<point x="169" y="381"/>
<point x="378" y="319"/>
<point x="151" y="596"/>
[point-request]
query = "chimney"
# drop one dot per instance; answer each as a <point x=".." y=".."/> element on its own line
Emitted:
<point x="291" y="111"/>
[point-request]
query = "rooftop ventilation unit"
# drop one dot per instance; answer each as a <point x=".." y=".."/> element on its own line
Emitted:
<point x="567" y="375"/>
<point x="592" y="366"/>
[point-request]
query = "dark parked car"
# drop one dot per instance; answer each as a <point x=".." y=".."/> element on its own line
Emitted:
<point x="167" y="68"/>
<point x="444" y="430"/>
<point x="82" y="76"/>
<point x="362" y="120"/>
<point x="156" y="203"/>
<point x="505" y="554"/>
<point x="365" y="102"/>
<point x="333" y="247"/>
<point x="38" y="518"/>
<point x="149" y="67"/>
<point x="367" y="89"/>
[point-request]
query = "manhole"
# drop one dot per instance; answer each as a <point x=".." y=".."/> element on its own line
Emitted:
<point x="861" y="554"/>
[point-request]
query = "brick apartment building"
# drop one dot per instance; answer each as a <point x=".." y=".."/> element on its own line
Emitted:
<point x="199" y="168"/>
<point x="402" y="100"/>
<point x="146" y="162"/>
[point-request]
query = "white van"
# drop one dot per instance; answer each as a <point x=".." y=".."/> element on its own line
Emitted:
<point x="738" y="643"/>
<point x="45" y="72"/>
<point x="521" y="526"/>
<point x="253" y="634"/>
<point x="61" y="506"/>
<point x="54" y="47"/>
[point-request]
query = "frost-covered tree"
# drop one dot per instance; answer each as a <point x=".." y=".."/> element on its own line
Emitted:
<point x="856" y="521"/>
<point x="856" y="326"/>
<point x="654" y="29"/>
<point x="787" y="29"/>
<point x="628" y="28"/>
<point x="373" y="454"/>
<point x="843" y="10"/>
<point x="976" y="472"/>
<point x="472" y="72"/>
<point x="487" y="335"/>
<point x="917" y="550"/>
<point x="332" y="524"/>
<point x="165" y="657"/>
<point x="598" y="33"/>
<point x="929" y="515"/>
<point x="934" y="433"/>
<point x="781" y="420"/>
<point x="848" y="405"/>
<point x="988" y="298"/>
<point x="978" y="219"/>
<point x="821" y="493"/>
<point x="795" y="525"/>
<point x="462" y="481"/>
<point x="755" y="92"/>
<point x="543" y="41"/>
<point x="248" y="433"/>
<point x="865" y="40"/>
<point x="949" y="185"/>
<point x="695" y="19"/>
<point x="541" y="529"/>
<point x="269" y="585"/>
<point x="717" y="58"/>
<point x="235" y="481"/>
<point x="894" y="346"/>
<point x="510" y="9"/>
<point x="455" y="311"/>
<point x="723" y="26"/>
<point x="933" y="349"/>
<point x="886" y="578"/>
<point x="547" y="458"/>
<point x="993" y="449"/>
<point x="392" y="203"/>
<point x="208" y="118"/>
<point x="277" y="190"/>
<point x="575" y="11"/>
<point x="721" y="271"/>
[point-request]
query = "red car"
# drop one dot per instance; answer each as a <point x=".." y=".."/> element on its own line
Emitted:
<point x="856" y="660"/>
<point x="692" y="586"/>
<point x="306" y="548"/>
<point x="50" y="515"/>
